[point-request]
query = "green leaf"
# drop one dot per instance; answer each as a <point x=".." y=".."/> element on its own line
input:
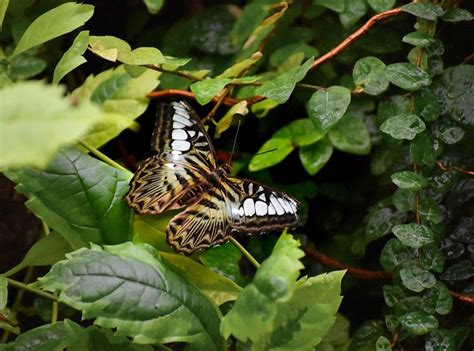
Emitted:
<point x="404" y="200"/>
<point x="350" y="135"/>
<point x="430" y="211"/>
<point x="419" y="323"/>
<point x="239" y="109"/>
<point x="153" y="6"/>
<point x="403" y="126"/>
<point x="456" y="14"/>
<point x="394" y="254"/>
<point x="271" y="153"/>
<point x="381" y="5"/>
<point x="355" y="10"/>
<point x="338" y="335"/>
<point x="383" y="344"/>
<point x="115" y="49"/>
<point x="314" y="156"/>
<point x="3" y="10"/>
<point x="415" y="278"/>
<point x="422" y="150"/>
<point x="392" y="294"/>
<point x="156" y="304"/>
<point x="409" y="180"/>
<point x="52" y="24"/>
<point x="327" y="106"/>
<point x="414" y="235"/>
<point x="369" y="73"/>
<point x="381" y="222"/>
<point x="301" y="132"/>
<point x="26" y="66"/>
<point x="280" y="55"/>
<point x="249" y="19"/>
<point x="418" y="39"/>
<point x="437" y="299"/>
<point x="455" y="93"/>
<point x="224" y="259"/>
<point x="335" y="5"/>
<point x="407" y="76"/>
<point x="274" y="282"/>
<point x="72" y="58"/>
<point x="426" y="10"/>
<point x="79" y="196"/>
<point x="262" y="108"/>
<point x="123" y="98"/>
<point x="216" y="287"/>
<point x="426" y="105"/>
<point x="441" y="340"/>
<point x="152" y="230"/>
<point x="280" y="88"/>
<point x="45" y="252"/>
<point x="69" y="335"/>
<point x="206" y="89"/>
<point x="37" y="129"/>
<point x="3" y="292"/>
<point x="431" y="258"/>
<point x="237" y="69"/>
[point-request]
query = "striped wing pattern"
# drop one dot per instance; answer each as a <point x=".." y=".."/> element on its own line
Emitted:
<point x="184" y="173"/>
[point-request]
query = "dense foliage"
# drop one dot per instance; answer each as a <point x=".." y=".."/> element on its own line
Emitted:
<point x="372" y="132"/>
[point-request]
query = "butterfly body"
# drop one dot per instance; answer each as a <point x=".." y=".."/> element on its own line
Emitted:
<point x="184" y="174"/>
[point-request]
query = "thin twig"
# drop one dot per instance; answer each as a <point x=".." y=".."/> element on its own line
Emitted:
<point x="211" y="113"/>
<point x="464" y="298"/>
<point x="176" y="73"/>
<point x="187" y="94"/>
<point x="28" y="288"/>
<point x="356" y="272"/>
<point x="445" y="168"/>
<point x="102" y="156"/>
<point x="356" y="35"/>
<point x="245" y="252"/>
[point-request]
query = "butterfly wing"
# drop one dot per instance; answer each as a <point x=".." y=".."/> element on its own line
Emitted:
<point x="235" y="206"/>
<point x="173" y="177"/>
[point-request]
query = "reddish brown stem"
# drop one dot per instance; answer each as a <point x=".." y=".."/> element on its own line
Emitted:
<point x="464" y="298"/>
<point x="356" y="35"/>
<point x="394" y="341"/>
<point x="445" y="168"/>
<point x="356" y="272"/>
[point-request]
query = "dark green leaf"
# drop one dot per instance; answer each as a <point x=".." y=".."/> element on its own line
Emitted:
<point x="419" y="323"/>
<point x="381" y="222"/>
<point x="280" y="148"/>
<point x="441" y="340"/>
<point x="301" y="132"/>
<point x="366" y="335"/>
<point x="430" y="211"/>
<point x="437" y="299"/>
<point x="72" y="58"/>
<point x="415" y="278"/>
<point x="392" y="322"/>
<point x="422" y="150"/>
<point x="350" y="135"/>
<point x="26" y="66"/>
<point x="432" y="258"/>
<point x="392" y="294"/>
<point x="404" y="200"/>
<point x="448" y="131"/>
<point x="414" y="235"/>
<point x="224" y="260"/>
<point x="383" y="344"/>
<point x="354" y="10"/>
<point x="3" y="10"/>
<point x="38" y="128"/>
<point x="407" y="305"/>
<point x="403" y="126"/>
<point x="459" y="271"/>
<point x="426" y="105"/>
<point x="418" y="39"/>
<point x="394" y="254"/>
<point x="381" y="5"/>
<point x="154" y="6"/>
<point x="151" y="295"/>
<point x="54" y="23"/>
<point x="425" y="10"/>
<point x="394" y="106"/>
<point x="369" y="73"/>
<point x="335" y="5"/>
<point x="456" y="14"/>
<point x="326" y="107"/>
<point x="313" y="157"/>
<point x="79" y="196"/>
<point x="250" y="17"/>
<point x="407" y="76"/>
<point x="409" y="180"/>
<point x="281" y="54"/>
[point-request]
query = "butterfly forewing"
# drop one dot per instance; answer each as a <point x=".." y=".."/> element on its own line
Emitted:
<point x="184" y="157"/>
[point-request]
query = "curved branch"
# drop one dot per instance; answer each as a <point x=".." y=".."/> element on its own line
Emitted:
<point x="356" y="35"/>
<point x="464" y="298"/>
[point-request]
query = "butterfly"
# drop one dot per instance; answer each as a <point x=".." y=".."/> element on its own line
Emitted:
<point x="184" y="174"/>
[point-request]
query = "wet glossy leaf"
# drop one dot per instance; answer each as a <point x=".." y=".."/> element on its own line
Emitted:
<point x="151" y="296"/>
<point x="448" y="131"/>
<point x="353" y="11"/>
<point x="415" y="278"/>
<point x="37" y="129"/>
<point x="431" y="258"/>
<point x="72" y="58"/>
<point x="464" y="229"/>
<point x="418" y="39"/>
<point x="407" y="76"/>
<point x="392" y="294"/>
<point x="326" y="107"/>
<point x="430" y="211"/>
<point x="404" y="200"/>
<point x="381" y="222"/>
<point x="394" y="254"/>
<point x="441" y="340"/>
<point x="422" y="150"/>
<point x="369" y="73"/>
<point x="461" y="270"/>
<point x="79" y="196"/>
<point x="350" y="135"/>
<point x="381" y="5"/>
<point x="456" y="14"/>
<point x="437" y="299"/>
<point x="408" y="180"/>
<point x="403" y="126"/>
<point x="419" y="323"/>
<point x="414" y="235"/>
<point x="313" y="157"/>
<point x="393" y="106"/>
<point x="54" y="23"/>
<point x="427" y="10"/>
<point x="383" y="344"/>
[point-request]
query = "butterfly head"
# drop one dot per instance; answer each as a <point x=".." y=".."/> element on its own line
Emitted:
<point x="226" y="168"/>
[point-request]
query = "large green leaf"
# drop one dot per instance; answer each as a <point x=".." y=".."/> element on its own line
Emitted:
<point x="3" y="10"/>
<point x="54" y="23"/>
<point x="403" y="126"/>
<point x="313" y="157"/>
<point x="350" y="135"/>
<point x="407" y="76"/>
<point x="369" y="74"/>
<point x="130" y="288"/>
<point x="327" y="106"/>
<point x="79" y="196"/>
<point x="72" y="58"/>
<point x="68" y="334"/>
<point x="122" y="98"/>
<point x="45" y="252"/>
<point x="426" y="10"/>
<point x="32" y="132"/>
<point x="414" y="235"/>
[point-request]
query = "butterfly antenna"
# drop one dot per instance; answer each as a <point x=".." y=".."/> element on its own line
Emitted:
<point x="235" y="141"/>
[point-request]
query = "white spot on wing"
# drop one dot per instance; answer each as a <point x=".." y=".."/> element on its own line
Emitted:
<point x="181" y="119"/>
<point x="251" y="188"/>
<point x="262" y="197"/>
<point x="278" y="208"/>
<point x="179" y="134"/>
<point x="180" y="145"/>
<point x="241" y="211"/>
<point x="271" y="209"/>
<point x="249" y="207"/>
<point x="191" y="133"/>
<point x="260" y="208"/>
<point x="178" y="125"/>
